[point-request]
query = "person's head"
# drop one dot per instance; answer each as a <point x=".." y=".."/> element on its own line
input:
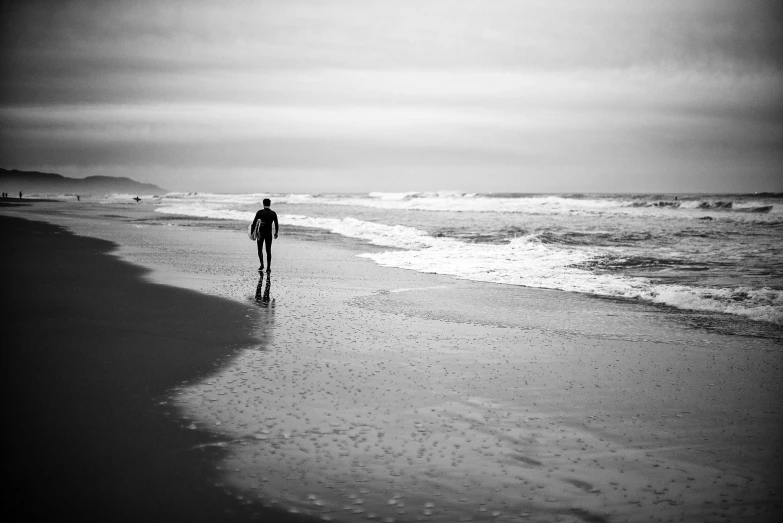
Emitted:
<point x="267" y="202"/>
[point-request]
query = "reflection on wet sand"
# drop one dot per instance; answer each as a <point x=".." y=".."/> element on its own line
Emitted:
<point x="262" y="291"/>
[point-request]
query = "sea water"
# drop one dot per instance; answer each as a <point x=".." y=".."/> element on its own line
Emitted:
<point x="716" y="255"/>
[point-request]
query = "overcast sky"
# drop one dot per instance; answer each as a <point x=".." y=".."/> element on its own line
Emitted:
<point x="371" y="95"/>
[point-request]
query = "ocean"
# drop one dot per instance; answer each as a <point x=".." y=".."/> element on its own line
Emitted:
<point x="713" y="260"/>
<point x="719" y="255"/>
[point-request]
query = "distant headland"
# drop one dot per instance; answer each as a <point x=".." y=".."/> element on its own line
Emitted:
<point x="13" y="181"/>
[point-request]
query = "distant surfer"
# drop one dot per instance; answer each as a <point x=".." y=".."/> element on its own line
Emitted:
<point x="262" y="227"/>
<point x="20" y="195"/>
<point x="137" y="199"/>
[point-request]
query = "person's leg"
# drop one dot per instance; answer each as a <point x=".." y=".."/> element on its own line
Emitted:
<point x="268" y="241"/>
<point x="260" y="243"/>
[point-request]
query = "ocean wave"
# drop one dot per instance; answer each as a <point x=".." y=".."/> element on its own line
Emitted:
<point x="537" y="265"/>
<point x="756" y="304"/>
<point x="717" y="205"/>
<point x="47" y="195"/>
<point x="216" y="213"/>
<point x="528" y="261"/>
<point x="374" y="233"/>
<point x="398" y="236"/>
<point x="532" y="260"/>
<point x="205" y="198"/>
<point x="392" y="195"/>
<point x="694" y="207"/>
<point x="751" y="210"/>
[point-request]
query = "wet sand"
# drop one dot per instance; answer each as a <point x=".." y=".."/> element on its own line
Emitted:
<point x="389" y="395"/>
<point x="382" y="394"/>
<point x="91" y="353"/>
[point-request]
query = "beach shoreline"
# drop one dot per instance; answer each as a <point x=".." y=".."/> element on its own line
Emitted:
<point x="584" y="408"/>
<point x="92" y="354"/>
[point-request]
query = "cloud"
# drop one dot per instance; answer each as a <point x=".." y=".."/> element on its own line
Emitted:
<point x="63" y="52"/>
<point x="599" y="87"/>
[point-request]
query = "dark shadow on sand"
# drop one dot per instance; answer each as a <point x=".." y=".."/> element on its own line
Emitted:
<point x="90" y="354"/>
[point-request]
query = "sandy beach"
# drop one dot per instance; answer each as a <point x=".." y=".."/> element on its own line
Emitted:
<point x="91" y="355"/>
<point x="358" y="392"/>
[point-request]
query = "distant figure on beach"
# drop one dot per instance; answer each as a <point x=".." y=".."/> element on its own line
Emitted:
<point x="264" y="220"/>
<point x="20" y="195"/>
<point x="77" y="198"/>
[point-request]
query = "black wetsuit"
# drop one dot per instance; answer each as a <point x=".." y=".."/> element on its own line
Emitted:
<point x="267" y="217"/>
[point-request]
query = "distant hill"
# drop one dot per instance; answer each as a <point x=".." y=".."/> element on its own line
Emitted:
<point x="34" y="182"/>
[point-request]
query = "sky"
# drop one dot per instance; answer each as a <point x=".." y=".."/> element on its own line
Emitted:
<point x="400" y="95"/>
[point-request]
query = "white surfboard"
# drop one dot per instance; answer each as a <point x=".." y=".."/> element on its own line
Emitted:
<point x="253" y="232"/>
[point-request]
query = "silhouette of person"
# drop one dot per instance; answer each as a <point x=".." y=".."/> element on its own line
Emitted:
<point x="20" y="195"/>
<point x="267" y="217"/>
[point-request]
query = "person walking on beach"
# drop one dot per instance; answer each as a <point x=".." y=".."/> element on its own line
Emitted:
<point x="266" y="217"/>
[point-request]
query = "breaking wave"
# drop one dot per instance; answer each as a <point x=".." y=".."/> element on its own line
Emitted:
<point x="532" y="260"/>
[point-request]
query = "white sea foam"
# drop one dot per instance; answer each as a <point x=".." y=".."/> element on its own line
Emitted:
<point x="539" y="204"/>
<point x="442" y="201"/>
<point x="196" y="198"/>
<point x="215" y="212"/>
<point x="454" y="201"/>
<point x="391" y="195"/>
<point x="459" y="202"/>
<point x="525" y="262"/>
<point x="44" y="195"/>
<point x="375" y="233"/>
<point x="757" y="304"/>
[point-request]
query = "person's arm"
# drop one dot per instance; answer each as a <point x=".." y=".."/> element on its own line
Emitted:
<point x="277" y="228"/>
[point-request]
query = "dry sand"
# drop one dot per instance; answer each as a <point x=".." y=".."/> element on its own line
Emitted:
<point x="382" y="394"/>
